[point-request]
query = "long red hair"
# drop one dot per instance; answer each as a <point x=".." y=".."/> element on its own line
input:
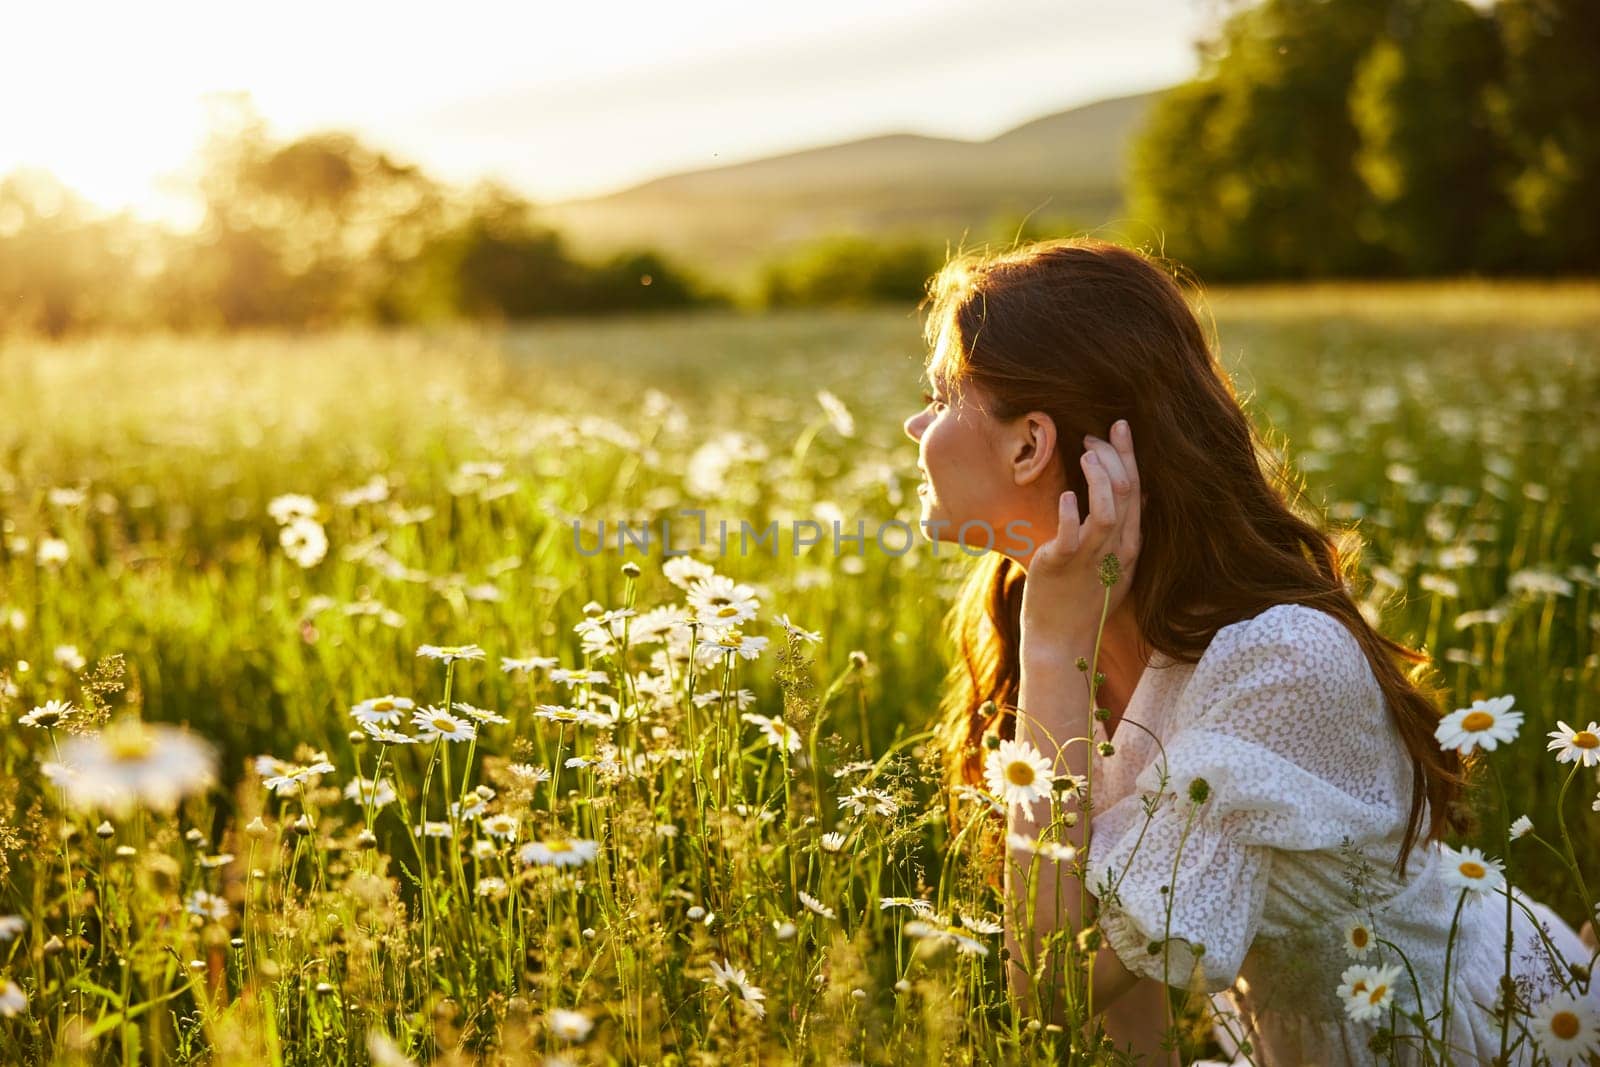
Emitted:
<point x="1089" y="332"/>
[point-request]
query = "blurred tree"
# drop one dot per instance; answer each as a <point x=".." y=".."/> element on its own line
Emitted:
<point x="1429" y="155"/>
<point x="1249" y="168"/>
<point x="1550" y="114"/>
<point x="850" y="270"/>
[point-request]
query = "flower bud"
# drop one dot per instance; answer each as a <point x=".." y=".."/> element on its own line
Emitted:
<point x="630" y="569"/>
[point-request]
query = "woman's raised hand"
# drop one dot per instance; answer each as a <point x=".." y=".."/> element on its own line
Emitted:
<point x="1063" y="596"/>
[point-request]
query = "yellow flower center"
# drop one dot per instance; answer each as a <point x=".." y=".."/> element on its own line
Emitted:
<point x="1472" y="870"/>
<point x="128" y="742"/>
<point x="1478" y="720"/>
<point x="1564" y="1025"/>
<point x="1584" y="739"/>
<point x="725" y="612"/>
<point x="558" y="846"/>
<point x="444" y="726"/>
<point x="1359" y="987"/>
<point x="1377" y="994"/>
<point x="383" y="705"/>
<point x="1019" y="773"/>
<point x="1358" y="937"/>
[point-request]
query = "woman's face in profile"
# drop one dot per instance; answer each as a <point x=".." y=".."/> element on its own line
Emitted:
<point x="966" y="479"/>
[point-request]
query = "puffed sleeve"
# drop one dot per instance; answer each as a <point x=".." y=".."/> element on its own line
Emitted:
<point x="1277" y="743"/>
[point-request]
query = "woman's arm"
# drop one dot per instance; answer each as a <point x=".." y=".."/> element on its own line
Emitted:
<point x="1054" y="699"/>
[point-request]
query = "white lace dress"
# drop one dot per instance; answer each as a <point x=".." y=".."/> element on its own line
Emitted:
<point x="1284" y="720"/>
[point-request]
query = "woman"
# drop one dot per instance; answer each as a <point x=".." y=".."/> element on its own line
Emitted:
<point x="1306" y="793"/>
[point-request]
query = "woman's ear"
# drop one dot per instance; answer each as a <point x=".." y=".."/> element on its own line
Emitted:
<point x="1034" y="446"/>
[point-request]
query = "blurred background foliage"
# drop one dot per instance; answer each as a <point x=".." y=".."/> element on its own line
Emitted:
<point x="1320" y="139"/>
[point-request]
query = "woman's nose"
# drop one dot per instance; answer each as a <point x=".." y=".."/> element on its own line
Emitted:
<point x="914" y="425"/>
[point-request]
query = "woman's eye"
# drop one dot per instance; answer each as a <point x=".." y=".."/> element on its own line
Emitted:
<point x="929" y="398"/>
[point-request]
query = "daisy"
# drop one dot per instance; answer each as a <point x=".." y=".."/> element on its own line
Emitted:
<point x="732" y="979"/>
<point x="1358" y="938"/>
<point x="470" y="806"/>
<point x="1018" y="774"/>
<point x="69" y="657"/>
<point x="981" y="926"/>
<point x="304" y="541"/>
<point x="434" y="829"/>
<point x="578" y="716"/>
<point x="221" y="859"/>
<point x="527" y="664"/>
<point x="13" y="1001"/>
<point x="434" y="724"/>
<point x="287" y="779"/>
<point x="809" y="636"/>
<point x="683" y="572"/>
<point x="816" y="906"/>
<point x="722" y="601"/>
<point x="290" y="506"/>
<point x="732" y="641"/>
<point x="575" y="677"/>
<point x="1368" y="991"/>
<point x="450" y="653"/>
<point x="527" y="772"/>
<point x="1050" y="850"/>
<point x="873" y="801"/>
<point x="132" y="764"/>
<point x="1470" y="870"/>
<point x="384" y="709"/>
<point x="778" y="733"/>
<point x="916" y="904"/>
<point x="502" y="826"/>
<point x="844" y="424"/>
<point x="571" y="852"/>
<point x="739" y="698"/>
<point x="832" y="842"/>
<point x="568" y="1025"/>
<point x="11" y="926"/>
<point x="480" y="715"/>
<point x="51" y="713"/>
<point x="1525" y="824"/>
<point x="1575" y="746"/>
<point x="385" y="736"/>
<point x="1486" y="724"/>
<point x="490" y="886"/>
<point x="1566" y="1029"/>
<point x="941" y="933"/>
<point x="206" y="905"/>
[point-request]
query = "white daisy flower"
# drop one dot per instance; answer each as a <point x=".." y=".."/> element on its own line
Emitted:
<point x="1522" y="826"/>
<point x="808" y="636"/>
<point x="471" y="806"/>
<point x="385" y="736"/>
<point x="739" y="698"/>
<point x="434" y="829"/>
<point x="52" y="551"/>
<point x="206" y="905"/>
<point x="576" y="716"/>
<point x="1575" y="746"/>
<point x="49" y="714"/>
<point x="1486" y="724"/>
<point x="874" y="801"/>
<point x="434" y="724"/>
<point x="812" y="904"/>
<point x="916" y="904"/>
<point x="1367" y="991"/>
<point x="1471" y="870"/>
<point x="570" y="852"/>
<point x="733" y="979"/>
<point x="981" y="926"/>
<point x="132" y="764"/>
<point x="13" y="1001"/>
<point x="832" y="842"/>
<point x="304" y="541"/>
<point x="11" y="927"/>
<point x="1018" y="774"/>
<point x="844" y="424"/>
<point x="1358" y="939"/>
<point x="564" y="676"/>
<point x="385" y="709"/>
<point x="683" y="572"/>
<point x="943" y="933"/>
<point x="567" y="1025"/>
<point x="291" y="506"/>
<point x="1566" y="1029"/>
<point x="483" y="716"/>
<point x="778" y="733"/>
<point x="490" y="886"/>
<point x="527" y="664"/>
<point x="221" y="859"/>
<point x="732" y="641"/>
<point x="1050" y="850"/>
<point x="527" y="772"/>
<point x="70" y="658"/>
<point x="502" y="826"/>
<point x="721" y="601"/>
<point x="450" y="653"/>
<point x="366" y="792"/>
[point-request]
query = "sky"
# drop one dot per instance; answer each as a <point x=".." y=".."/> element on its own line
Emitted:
<point x="560" y="100"/>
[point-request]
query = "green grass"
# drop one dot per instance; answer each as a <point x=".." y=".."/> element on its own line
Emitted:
<point x="1429" y="417"/>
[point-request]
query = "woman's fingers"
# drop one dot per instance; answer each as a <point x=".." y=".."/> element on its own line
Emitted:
<point x="1102" y="501"/>
<point x="1067" y="523"/>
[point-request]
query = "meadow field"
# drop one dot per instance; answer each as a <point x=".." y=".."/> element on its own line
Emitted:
<point x="458" y="786"/>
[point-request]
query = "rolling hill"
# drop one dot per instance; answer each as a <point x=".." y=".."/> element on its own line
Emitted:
<point x="1066" y="168"/>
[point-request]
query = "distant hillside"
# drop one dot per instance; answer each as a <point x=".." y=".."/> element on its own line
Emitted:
<point x="728" y="219"/>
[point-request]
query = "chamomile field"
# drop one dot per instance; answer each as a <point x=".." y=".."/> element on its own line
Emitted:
<point x="337" y="728"/>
